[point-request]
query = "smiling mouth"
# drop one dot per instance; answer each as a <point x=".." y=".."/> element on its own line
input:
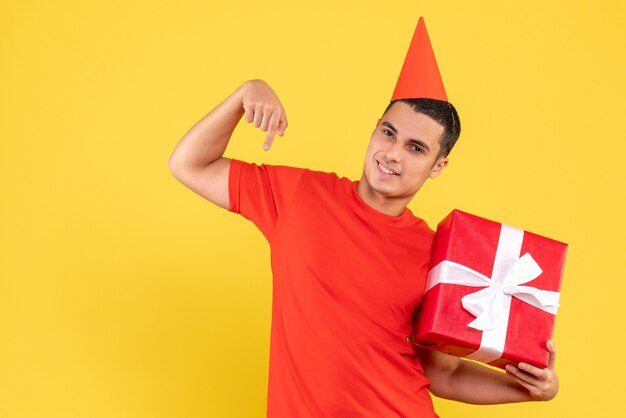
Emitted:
<point x="385" y="170"/>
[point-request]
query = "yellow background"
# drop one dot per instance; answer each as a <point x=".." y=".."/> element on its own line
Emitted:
<point x="123" y="294"/>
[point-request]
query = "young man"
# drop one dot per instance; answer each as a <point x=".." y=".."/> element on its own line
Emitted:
<point x="349" y="261"/>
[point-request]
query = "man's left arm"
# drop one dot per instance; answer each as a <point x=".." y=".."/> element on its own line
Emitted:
<point x="470" y="382"/>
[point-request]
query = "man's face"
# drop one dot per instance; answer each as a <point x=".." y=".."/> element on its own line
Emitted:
<point x="402" y="153"/>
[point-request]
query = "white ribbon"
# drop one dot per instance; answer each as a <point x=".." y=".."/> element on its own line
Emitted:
<point x="492" y="305"/>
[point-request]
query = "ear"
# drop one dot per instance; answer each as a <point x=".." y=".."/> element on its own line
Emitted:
<point x="438" y="167"/>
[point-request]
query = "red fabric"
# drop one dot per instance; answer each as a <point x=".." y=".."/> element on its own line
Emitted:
<point x="346" y="282"/>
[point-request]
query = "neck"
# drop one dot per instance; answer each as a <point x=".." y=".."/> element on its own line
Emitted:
<point x="388" y="206"/>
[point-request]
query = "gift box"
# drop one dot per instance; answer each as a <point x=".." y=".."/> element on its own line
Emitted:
<point x="492" y="292"/>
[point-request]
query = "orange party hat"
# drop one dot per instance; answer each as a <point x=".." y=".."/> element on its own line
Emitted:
<point x="420" y="76"/>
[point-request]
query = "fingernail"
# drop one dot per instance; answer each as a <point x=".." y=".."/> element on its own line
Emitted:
<point x="266" y="147"/>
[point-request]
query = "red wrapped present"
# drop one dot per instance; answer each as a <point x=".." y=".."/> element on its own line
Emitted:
<point x="492" y="292"/>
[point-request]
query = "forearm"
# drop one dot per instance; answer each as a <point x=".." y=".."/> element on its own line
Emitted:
<point x="206" y="141"/>
<point x="473" y="383"/>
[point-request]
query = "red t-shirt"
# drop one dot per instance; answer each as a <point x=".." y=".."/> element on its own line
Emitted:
<point x="347" y="281"/>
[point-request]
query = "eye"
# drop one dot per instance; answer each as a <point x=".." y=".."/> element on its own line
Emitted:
<point x="415" y="148"/>
<point x="388" y="133"/>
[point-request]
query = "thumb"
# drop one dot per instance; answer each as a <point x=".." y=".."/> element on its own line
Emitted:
<point x="552" y="349"/>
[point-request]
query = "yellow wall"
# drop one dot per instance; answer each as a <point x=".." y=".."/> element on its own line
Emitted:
<point x="123" y="294"/>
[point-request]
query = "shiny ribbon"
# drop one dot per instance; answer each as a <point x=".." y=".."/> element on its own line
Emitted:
<point x="492" y="305"/>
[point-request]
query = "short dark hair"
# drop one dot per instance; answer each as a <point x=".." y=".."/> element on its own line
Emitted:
<point x="441" y="112"/>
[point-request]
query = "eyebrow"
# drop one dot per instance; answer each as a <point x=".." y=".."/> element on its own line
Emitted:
<point x="415" y="141"/>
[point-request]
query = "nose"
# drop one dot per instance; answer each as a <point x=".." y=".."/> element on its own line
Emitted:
<point x="394" y="151"/>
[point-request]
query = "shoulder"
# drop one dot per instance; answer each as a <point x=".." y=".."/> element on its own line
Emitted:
<point x="291" y="174"/>
<point x="287" y="175"/>
<point x="285" y="169"/>
<point x="327" y="180"/>
<point x="330" y="176"/>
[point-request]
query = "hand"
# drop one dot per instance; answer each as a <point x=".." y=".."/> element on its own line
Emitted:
<point x="264" y="110"/>
<point x="542" y="384"/>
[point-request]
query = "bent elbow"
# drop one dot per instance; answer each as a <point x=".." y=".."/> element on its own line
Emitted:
<point x="174" y="166"/>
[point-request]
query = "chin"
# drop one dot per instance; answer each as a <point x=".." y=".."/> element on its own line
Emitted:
<point x="382" y="189"/>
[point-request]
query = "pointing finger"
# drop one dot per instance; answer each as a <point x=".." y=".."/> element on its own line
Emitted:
<point x="268" y="143"/>
<point x="273" y="125"/>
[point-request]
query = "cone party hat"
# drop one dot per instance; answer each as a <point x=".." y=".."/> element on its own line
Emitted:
<point x="420" y="76"/>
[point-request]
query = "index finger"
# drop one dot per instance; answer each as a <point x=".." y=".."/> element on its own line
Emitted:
<point x="271" y="131"/>
<point x="533" y="370"/>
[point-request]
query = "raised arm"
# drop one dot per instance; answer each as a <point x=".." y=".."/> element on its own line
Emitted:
<point x="197" y="160"/>
<point x="469" y="382"/>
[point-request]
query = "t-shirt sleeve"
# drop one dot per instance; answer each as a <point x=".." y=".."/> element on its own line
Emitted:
<point x="262" y="193"/>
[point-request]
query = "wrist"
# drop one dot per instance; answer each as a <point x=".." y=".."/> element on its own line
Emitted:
<point x="240" y="92"/>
